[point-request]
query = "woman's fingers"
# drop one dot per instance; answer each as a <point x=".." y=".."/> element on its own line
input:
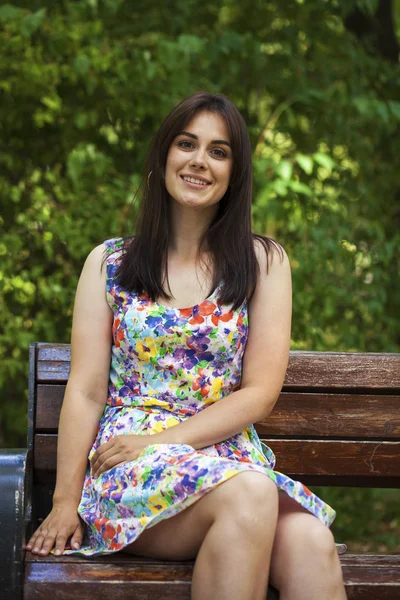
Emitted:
<point x="31" y="542"/>
<point x="45" y="543"/>
<point x="34" y="540"/>
<point x="118" y="449"/>
<point x="101" y="450"/>
<point x="60" y="540"/>
<point x="107" y="461"/>
<point x="76" y="540"/>
<point x="103" y="454"/>
<point x="39" y="541"/>
<point x="48" y="542"/>
<point x="54" y="532"/>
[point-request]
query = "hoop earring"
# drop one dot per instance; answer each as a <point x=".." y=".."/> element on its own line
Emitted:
<point x="148" y="179"/>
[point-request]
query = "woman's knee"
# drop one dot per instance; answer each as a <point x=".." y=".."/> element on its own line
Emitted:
<point x="320" y="541"/>
<point x="247" y="488"/>
<point x="301" y="531"/>
<point x="300" y="537"/>
<point x="249" y="499"/>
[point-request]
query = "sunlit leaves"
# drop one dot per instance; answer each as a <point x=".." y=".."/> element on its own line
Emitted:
<point x="305" y="162"/>
<point x="285" y="169"/>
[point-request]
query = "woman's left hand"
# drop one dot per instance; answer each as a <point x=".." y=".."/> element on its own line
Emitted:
<point x="116" y="451"/>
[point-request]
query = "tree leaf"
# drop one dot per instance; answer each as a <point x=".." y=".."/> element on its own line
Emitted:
<point x="9" y="11"/>
<point x="324" y="160"/>
<point x="30" y="23"/>
<point x="395" y="108"/>
<point x="285" y="169"/>
<point x="305" y="162"/>
<point x="82" y="64"/>
<point x="300" y="188"/>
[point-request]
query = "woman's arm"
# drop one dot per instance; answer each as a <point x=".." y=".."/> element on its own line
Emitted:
<point x="264" y="364"/>
<point x="83" y="405"/>
<point x="86" y="391"/>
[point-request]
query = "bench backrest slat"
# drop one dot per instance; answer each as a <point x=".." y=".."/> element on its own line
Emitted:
<point x="303" y="457"/>
<point x="295" y="414"/>
<point x="306" y="370"/>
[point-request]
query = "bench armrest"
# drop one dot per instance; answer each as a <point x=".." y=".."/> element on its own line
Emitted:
<point x="15" y="514"/>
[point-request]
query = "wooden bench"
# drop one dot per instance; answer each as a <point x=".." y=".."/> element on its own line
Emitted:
<point x="337" y="422"/>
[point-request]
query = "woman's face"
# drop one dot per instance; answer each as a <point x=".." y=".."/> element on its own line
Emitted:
<point x="199" y="162"/>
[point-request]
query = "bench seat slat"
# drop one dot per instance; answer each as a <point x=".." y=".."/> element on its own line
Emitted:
<point x="327" y="370"/>
<point x="372" y="576"/>
<point x="121" y="559"/>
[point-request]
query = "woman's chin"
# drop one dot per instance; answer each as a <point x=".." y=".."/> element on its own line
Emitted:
<point x="191" y="201"/>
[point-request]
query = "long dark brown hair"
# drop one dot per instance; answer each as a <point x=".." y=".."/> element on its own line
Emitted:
<point x="228" y="239"/>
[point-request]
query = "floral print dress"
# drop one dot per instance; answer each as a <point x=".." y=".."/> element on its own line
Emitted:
<point x="168" y="364"/>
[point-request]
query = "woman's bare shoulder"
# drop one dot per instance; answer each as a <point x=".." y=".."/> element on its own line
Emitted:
<point x="270" y="254"/>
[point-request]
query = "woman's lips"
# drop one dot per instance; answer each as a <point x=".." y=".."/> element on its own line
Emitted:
<point x="196" y="186"/>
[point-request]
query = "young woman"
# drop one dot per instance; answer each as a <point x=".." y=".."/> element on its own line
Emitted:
<point x="193" y="314"/>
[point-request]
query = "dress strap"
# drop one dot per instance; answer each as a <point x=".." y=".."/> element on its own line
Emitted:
<point x="114" y="249"/>
<point x="113" y="246"/>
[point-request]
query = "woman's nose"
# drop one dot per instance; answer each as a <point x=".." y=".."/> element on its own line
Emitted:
<point x="199" y="159"/>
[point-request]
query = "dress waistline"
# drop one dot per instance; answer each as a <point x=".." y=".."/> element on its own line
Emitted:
<point x="150" y="404"/>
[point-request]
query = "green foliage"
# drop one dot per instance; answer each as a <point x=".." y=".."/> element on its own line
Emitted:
<point x="84" y="86"/>
<point x="367" y="520"/>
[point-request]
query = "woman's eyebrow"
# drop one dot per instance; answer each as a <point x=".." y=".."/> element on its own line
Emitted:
<point x="195" y="137"/>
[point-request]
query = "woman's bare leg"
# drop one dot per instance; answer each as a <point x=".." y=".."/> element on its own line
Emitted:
<point x="230" y="532"/>
<point x="232" y="565"/>
<point x="304" y="562"/>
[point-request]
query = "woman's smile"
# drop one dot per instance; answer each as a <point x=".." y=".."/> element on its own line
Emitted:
<point x="194" y="182"/>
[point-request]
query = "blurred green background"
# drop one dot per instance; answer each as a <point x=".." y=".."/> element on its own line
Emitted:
<point x="84" y="85"/>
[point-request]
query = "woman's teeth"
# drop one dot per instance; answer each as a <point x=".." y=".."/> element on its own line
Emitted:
<point x="192" y="180"/>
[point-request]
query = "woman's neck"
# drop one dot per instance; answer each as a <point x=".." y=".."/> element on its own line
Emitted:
<point x="187" y="229"/>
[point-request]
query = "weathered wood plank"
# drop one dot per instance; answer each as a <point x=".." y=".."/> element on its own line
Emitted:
<point x="295" y="414"/>
<point x="345" y="370"/>
<point x="334" y="415"/>
<point x="64" y="589"/>
<point x="299" y="457"/>
<point x="337" y="457"/>
<point x="49" y="398"/>
<point x="370" y="576"/>
<point x="54" y="352"/>
<point x="142" y="579"/>
<point x="307" y="370"/>
<point x="360" y="561"/>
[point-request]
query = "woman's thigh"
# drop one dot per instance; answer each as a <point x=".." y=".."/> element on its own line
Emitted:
<point x="180" y="537"/>
<point x="301" y="542"/>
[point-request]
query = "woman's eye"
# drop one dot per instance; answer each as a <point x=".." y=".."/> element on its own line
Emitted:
<point x="184" y="142"/>
<point x="221" y="153"/>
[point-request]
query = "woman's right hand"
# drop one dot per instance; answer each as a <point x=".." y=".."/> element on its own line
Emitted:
<point x="62" y="523"/>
